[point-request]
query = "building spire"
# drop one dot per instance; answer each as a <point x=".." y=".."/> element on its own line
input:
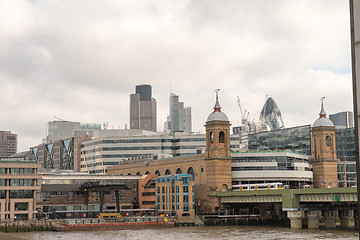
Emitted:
<point x="217" y="107"/>
<point x="322" y="113"/>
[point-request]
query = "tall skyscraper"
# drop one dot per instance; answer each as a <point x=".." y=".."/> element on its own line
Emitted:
<point x="8" y="143"/>
<point x="142" y="109"/>
<point x="180" y="116"/>
<point x="271" y="115"/>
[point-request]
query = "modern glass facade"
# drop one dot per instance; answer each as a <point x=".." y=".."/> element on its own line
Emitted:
<point x="343" y="119"/>
<point x="180" y="116"/>
<point x="345" y="151"/>
<point x="58" y="154"/>
<point x="290" y="168"/>
<point x="296" y="139"/>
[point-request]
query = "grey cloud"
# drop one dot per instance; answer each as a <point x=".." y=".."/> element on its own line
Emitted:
<point x="80" y="60"/>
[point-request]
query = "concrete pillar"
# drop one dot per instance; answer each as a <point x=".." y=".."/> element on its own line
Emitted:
<point x="330" y="218"/>
<point x="295" y="219"/>
<point x="345" y="218"/>
<point x="313" y="219"/>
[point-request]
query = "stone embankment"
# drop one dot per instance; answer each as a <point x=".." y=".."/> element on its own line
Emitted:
<point x="28" y="226"/>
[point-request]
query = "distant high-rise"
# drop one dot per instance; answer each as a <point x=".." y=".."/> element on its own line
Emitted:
<point x="142" y="109"/>
<point x="180" y="116"/>
<point x="8" y="143"/>
<point x="271" y="115"/>
<point x="343" y="119"/>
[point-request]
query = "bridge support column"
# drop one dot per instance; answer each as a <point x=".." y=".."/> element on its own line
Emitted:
<point x="330" y="218"/>
<point x="313" y="219"/>
<point x="356" y="219"/>
<point x="345" y="218"/>
<point x="295" y="219"/>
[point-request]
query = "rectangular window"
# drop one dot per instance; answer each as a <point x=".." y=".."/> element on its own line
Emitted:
<point x="21" y="194"/>
<point x="46" y="196"/>
<point x="15" y="171"/>
<point x="21" y="206"/>
<point x="2" y="194"/>
<point x="148" y="194"/>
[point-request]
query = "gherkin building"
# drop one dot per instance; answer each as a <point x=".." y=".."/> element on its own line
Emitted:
<point x="271" y="115"/>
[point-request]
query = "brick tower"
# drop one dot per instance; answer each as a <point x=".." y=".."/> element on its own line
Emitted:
<point x="324" y="159"/>
<point x="217" y="157"/>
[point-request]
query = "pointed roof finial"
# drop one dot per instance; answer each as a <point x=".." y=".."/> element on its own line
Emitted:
<point x="322" y="112"/>
<point x="217" y="107"/>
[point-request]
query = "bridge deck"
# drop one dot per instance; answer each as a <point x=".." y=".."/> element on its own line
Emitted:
<point x="291" y="198"/>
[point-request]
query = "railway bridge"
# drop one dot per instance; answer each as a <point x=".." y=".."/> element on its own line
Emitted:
<point x="327" y="204"/>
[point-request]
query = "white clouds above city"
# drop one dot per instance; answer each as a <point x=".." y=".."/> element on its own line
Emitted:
<point x="80" y="60"/>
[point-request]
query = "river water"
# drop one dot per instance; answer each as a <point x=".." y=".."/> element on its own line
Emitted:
<point x="188" y="233"/>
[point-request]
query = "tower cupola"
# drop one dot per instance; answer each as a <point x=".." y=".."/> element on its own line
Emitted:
<point x="323" y="121"/>
<point x="217" y="114"/>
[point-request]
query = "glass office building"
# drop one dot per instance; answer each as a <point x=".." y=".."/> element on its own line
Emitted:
<point x="295" y="139"/>
<point x="345" y="151"/>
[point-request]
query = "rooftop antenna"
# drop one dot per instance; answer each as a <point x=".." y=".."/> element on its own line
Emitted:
<point x="59" y="119"/>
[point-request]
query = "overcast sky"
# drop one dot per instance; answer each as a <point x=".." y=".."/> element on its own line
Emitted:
<point x="80" y="60"/>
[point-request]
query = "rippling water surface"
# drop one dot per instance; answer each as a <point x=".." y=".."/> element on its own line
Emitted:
<point x="199" y="233"/>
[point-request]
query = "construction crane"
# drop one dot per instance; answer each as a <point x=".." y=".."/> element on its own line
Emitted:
<point x="244" y="113"/>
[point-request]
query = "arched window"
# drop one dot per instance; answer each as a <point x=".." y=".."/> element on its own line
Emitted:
<point x="167" y="172"/>
<point x="224" y="188"/>
<point x="211" y="137"/>
<point x="129" y="173"/>
<point x="178" y="171"/>
<point x="147" y="172"/>
<point x="191" y="172"/>
<point x="221" y="137"/>
<point x="157" y="172"/>
<point x="138" y="174"/>
<point x="328" y="141"/>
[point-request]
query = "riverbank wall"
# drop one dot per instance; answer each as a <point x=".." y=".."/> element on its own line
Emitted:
<point x="28" y="225"/>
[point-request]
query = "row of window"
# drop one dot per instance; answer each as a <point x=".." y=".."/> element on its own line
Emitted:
<point x="114" y="141"/>
<point x="18" y="170"/>
<point x="18" y="182"/>
<point x="269" y="168"/>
